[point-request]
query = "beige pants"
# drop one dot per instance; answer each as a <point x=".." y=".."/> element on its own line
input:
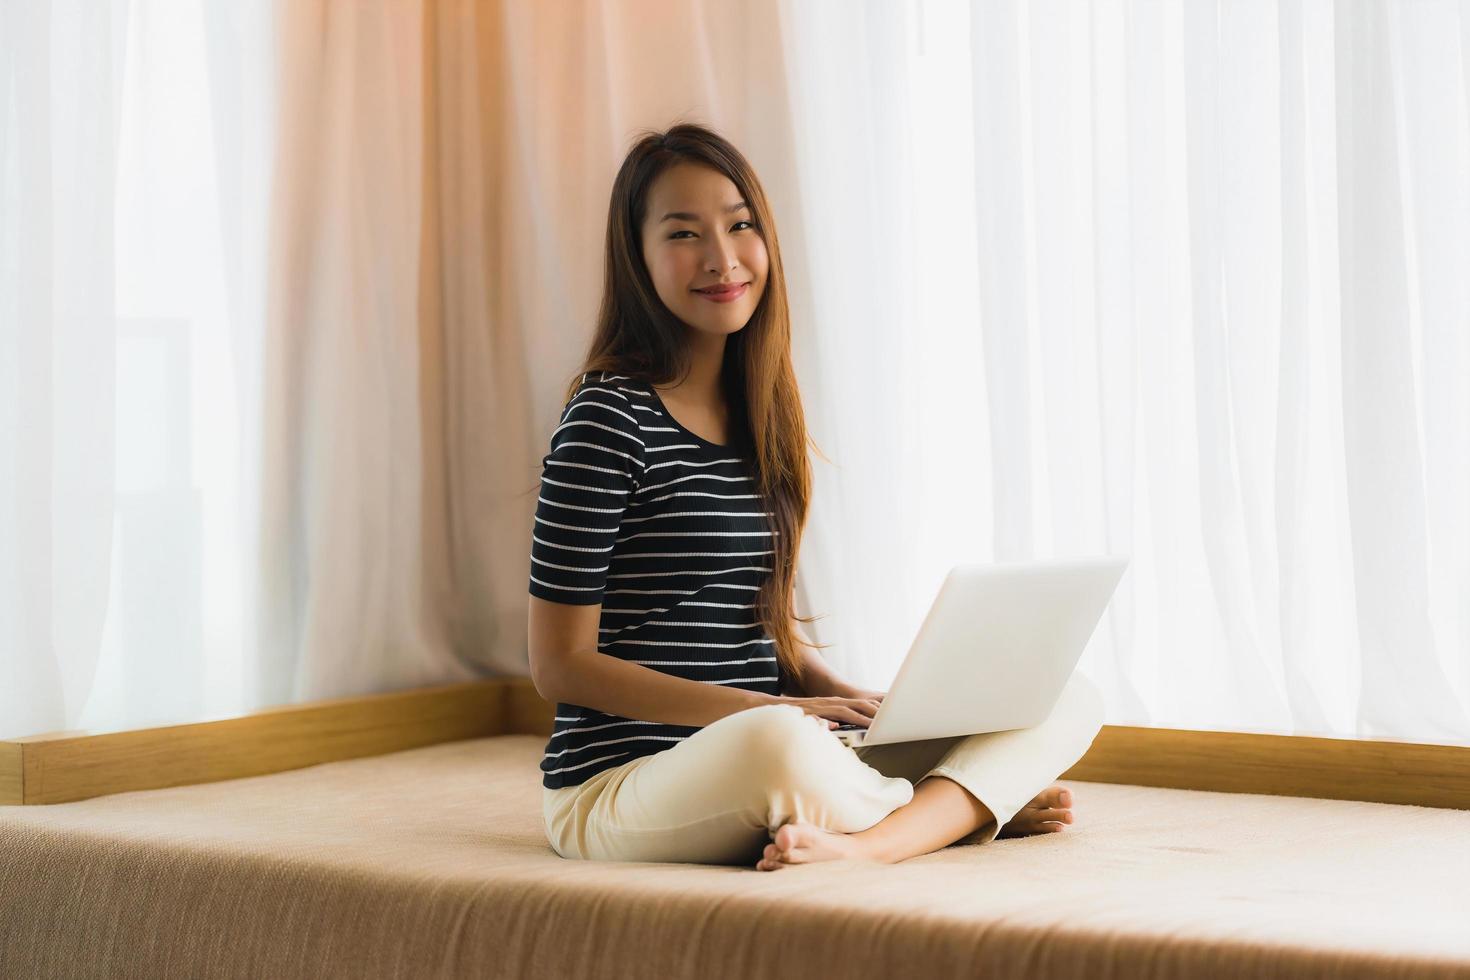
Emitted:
<point x="719" y="796"/>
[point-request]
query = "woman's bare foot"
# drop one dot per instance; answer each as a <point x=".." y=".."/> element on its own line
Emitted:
<point x="804" y="843"/>
<point x="1049" y="812"/>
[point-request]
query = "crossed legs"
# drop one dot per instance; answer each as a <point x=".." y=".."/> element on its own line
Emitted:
<point x="941" y="812"/>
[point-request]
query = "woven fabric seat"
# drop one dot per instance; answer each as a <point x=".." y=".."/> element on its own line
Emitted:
<point x="433" y="862"/>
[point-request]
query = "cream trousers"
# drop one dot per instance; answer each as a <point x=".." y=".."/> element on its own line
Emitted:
<point x="719" y="796"/>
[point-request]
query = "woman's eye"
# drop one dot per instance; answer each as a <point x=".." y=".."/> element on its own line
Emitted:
<point x="687" y="232"/>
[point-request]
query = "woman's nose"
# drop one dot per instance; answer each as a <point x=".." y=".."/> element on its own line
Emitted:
<point x="722" y="257"/>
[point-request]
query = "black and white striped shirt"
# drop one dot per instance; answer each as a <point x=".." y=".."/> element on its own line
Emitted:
<point x="670" y="533"/>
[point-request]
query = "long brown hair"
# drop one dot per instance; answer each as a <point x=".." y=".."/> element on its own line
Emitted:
<point x="638" y="336"/>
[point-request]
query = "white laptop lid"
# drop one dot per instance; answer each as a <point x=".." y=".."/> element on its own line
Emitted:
<point x="996" y="648"/>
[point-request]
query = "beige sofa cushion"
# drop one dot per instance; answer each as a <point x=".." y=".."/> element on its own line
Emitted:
<point x="433" y="862"/>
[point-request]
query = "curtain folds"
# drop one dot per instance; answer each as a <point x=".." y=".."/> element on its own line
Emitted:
<point x="288" y="297"/>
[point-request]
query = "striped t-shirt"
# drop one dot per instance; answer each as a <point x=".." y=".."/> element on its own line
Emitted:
<point x="670" y="533"/>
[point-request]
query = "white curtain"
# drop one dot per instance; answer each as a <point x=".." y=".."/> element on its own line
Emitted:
<point x="134" y="155"/>
<point x="1184" y="282"/>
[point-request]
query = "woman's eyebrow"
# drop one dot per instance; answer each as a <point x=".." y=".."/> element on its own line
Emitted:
<point x="686" y="216"/>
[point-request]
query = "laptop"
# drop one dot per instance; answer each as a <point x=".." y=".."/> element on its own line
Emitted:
<point x="994" y="651"/>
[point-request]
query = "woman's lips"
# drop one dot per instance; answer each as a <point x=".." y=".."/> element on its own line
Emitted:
<point x="724" y="295"/>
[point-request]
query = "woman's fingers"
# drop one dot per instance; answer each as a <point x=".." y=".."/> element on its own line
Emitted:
<point x="847" y="710"/>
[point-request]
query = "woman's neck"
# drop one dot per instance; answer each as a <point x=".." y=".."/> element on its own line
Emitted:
<point x="702" y="385"/>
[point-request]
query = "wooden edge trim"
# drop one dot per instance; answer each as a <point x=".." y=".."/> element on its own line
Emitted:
<point x="1373" y="770"/>
<point x="12" y="786"/>
<point x="64" y="766"/>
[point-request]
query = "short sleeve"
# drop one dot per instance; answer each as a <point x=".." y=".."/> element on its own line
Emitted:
<point x="587" y="481"/>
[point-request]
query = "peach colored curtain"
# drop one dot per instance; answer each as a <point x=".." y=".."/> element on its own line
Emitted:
<point x="440" y="199"/>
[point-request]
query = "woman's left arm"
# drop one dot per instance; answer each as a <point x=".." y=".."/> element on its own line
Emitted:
<point x="819" y="680"/>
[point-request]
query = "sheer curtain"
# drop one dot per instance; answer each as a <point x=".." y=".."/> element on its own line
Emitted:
<point x="134" y="150"/>
<point x="354" y="573"/>
<point x="1183" y="282"/>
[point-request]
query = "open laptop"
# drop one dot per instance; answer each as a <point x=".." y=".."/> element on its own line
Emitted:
<point x="994" y="651"/>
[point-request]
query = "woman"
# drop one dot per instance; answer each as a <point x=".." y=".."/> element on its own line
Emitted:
<point x="692" y="721"/>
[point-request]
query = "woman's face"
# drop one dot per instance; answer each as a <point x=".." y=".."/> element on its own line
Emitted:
<point x="698" y="233"/>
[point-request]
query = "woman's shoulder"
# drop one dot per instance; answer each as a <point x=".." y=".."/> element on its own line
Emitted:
<point x="601" y="409"/>
<point x="624" y="387"/>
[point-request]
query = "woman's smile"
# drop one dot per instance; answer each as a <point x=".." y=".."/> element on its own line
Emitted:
<point x="724" y="294"/>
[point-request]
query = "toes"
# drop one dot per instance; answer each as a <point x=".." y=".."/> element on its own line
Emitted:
<point x="774" y="856"/>
<point x="1037" y="820"/>
<point x="771" y="861"/>
<point x="1053" y="797"/>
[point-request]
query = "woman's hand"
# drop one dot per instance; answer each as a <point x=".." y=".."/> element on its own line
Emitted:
<point x="848" y="691"/>
<point x="839" y="711"/>
<point x="856" y="705"/>
<point x="827" y="696"/>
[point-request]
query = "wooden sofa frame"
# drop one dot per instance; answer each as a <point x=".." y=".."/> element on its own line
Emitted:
<point x="63" y="766"/>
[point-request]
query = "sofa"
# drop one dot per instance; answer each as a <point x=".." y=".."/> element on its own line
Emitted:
<point x="430" y="860"/>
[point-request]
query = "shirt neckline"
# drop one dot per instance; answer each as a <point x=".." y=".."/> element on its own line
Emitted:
<point x="727" y="447"/>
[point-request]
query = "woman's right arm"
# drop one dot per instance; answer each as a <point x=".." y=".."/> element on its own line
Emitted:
<point x="567" y="668"/>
